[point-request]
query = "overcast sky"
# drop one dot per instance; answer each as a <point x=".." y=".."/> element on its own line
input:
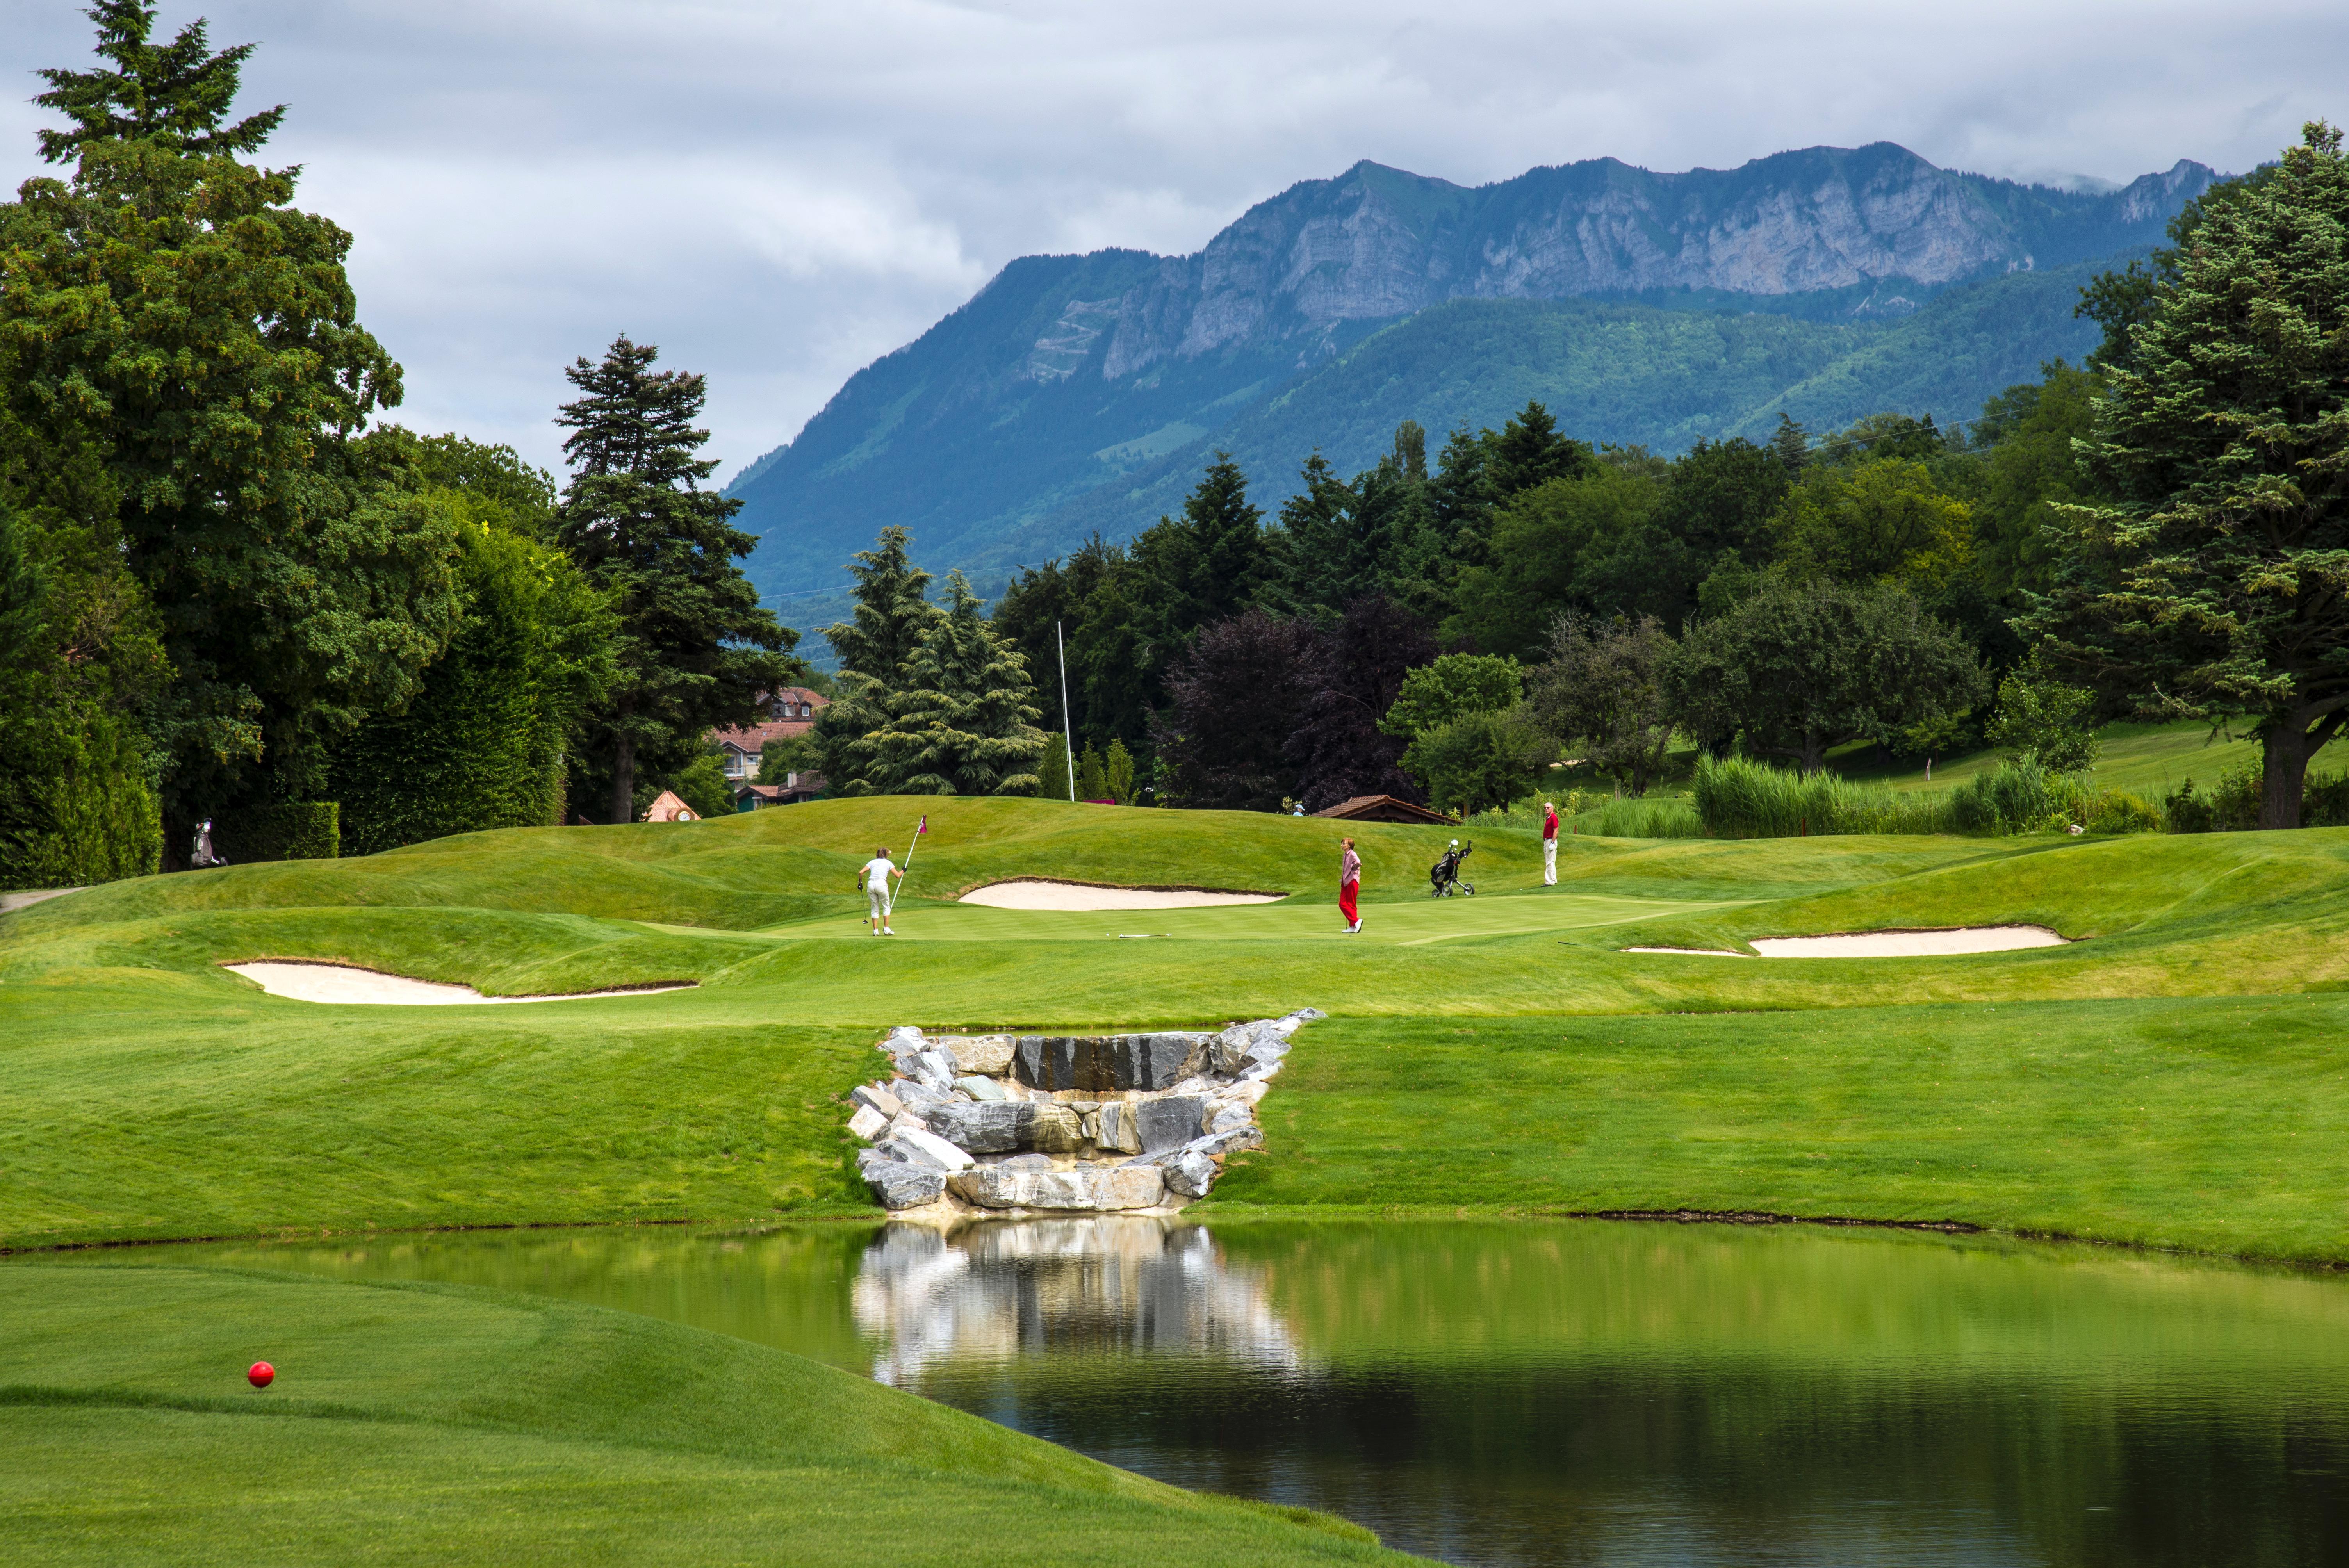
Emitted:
<point x="778" y="193"/>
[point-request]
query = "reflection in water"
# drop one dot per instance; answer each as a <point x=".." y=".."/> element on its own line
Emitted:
<point x="1095" y="1286"/>
<point x="1569" y="1392"/>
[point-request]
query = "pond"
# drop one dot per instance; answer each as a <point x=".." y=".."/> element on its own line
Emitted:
<point x="1560" y="1392"/>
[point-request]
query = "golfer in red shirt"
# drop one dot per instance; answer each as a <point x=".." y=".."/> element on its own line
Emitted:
<point x="1350" y="887"/>
<point x="1549" y="844"/>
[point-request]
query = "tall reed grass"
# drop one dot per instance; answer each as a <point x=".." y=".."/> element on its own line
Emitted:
<point x="1738" y="798"/>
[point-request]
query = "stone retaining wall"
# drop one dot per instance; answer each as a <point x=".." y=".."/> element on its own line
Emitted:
<point x="1064" y="1123"/>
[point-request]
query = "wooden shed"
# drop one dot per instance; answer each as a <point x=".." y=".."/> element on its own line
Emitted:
<point x="1382" y="808"/>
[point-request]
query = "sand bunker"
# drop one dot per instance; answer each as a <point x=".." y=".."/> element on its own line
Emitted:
<point x="1910" y="944"/>
<point x="341" y="983"/>
<point x="1042" y="893"/>
<point x="1885" y="944"/>
<point x="1693" y="951"/>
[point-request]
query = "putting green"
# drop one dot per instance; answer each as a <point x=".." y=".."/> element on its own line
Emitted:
<point x="1399" y="923"/>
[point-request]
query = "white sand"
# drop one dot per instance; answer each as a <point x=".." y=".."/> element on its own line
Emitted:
<point x="1036" y="892"/>
<point x="341" y="983"/>
<point x="1910" y="944"/>
<point x="1693" y="951"/>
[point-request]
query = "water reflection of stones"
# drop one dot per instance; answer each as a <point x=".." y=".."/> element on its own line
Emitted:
<point x="1108" y="1285"/>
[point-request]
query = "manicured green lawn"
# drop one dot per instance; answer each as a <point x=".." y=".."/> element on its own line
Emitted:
<point x="146" y="1093"/>
<point x="2175" y="1079"/>
<point x="438" y="1424"/>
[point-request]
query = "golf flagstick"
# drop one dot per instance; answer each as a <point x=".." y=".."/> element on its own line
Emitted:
<point x="920" y="828"/>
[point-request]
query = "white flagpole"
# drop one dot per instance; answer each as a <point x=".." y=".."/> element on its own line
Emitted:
<point x="1068" y="746"/>
<point x="890" y="908"/>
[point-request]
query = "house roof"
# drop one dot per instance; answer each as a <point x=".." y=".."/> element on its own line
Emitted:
<point x="667" y="808"/>
<point x="753" y="738"/>
<point x="1380" y="808"/>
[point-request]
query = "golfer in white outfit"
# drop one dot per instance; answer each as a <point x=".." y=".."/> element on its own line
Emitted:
<point x="877" y="872"/>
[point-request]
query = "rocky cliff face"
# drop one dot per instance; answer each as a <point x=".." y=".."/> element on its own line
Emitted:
<point x="1072" y="391"/>
<point x="1376" y="242"/>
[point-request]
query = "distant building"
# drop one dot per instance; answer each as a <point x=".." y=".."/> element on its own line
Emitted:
<point x="1380" y="808"/>
<point x="789" y="712"/>
<point x="794" y="788"/>
<point x="667" y="808"/>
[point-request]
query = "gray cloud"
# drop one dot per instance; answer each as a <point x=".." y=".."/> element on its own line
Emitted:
<point x="778" y="193"/>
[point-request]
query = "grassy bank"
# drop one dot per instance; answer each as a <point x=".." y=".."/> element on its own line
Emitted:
<point x="419" y="1423"/>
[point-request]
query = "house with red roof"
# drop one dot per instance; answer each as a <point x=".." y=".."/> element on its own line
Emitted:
<point x="789" y="712"/>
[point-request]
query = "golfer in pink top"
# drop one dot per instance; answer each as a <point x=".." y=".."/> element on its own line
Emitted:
<point x="1549" y="844"/>
<point x="1349" y="886"/>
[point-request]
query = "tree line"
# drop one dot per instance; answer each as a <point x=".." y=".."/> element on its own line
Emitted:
<point x="231" y="592"/>
<point x="2156" y="534"/>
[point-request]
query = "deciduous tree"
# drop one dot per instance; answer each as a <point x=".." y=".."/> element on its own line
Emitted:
<point x="1604" y="692"/>
<point x="1799" y="668"/>
<point x="168" y="315"/>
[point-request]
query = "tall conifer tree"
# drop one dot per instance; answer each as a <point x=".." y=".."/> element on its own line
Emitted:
<point x="696" y="651"/>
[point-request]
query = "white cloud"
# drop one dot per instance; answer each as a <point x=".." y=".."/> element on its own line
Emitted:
<point x="778" y="193"/>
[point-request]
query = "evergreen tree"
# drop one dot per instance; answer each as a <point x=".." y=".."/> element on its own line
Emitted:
<point x="214" y="381"/>
<point x="1529" y="451"/>
<point x="1792" y="445"/>
<point x="1217" y="562"/>
<point x="1093" y="783"/>
<point x="694" y="650"/>
<point x="963" y="723"/>
<point x="893" y="614"/>
<point x="1117" y="772"/>
<point x="1411" y="450"/>
<point x="2211" y="587"/>
<point x="892" y="617"/>
<point x="174" y="95"/>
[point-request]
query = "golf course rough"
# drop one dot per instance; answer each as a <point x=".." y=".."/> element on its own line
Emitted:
<point x="1056" y="1123"/>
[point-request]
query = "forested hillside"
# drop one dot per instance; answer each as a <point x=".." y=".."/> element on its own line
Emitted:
<point x="1073" y="392"/>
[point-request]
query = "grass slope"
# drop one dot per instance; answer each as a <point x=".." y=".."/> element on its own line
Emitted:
<point x="219" y="1110"/>
<point x="423" y="1423"/>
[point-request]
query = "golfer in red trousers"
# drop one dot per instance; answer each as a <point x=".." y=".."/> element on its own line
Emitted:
<point x="1350" y="887"/>
<point x="1549" y="844"/>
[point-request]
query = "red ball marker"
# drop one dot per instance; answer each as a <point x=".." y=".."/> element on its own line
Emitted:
<point x="260" y="1375"/>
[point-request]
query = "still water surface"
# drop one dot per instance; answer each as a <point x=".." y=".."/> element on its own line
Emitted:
<point x="1568" y="1392"/>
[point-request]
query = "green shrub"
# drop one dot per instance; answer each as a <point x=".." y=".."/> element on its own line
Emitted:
<point x="701" y="785"/>
<point x="2324" y="802"/>
<point x="288" y="831"/>
<point x="482" y="743"/>
<point x="75" y="806"/>
<point x="2232" y="808"/>
<point x="2120" y="811"/>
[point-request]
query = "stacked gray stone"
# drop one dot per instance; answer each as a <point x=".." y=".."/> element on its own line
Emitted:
<point x="1065" y="1123"/>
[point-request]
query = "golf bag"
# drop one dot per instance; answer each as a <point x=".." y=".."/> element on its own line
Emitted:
<point x="1444" y="876"/>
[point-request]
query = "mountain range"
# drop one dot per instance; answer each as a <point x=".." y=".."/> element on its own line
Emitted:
<point x="1082" y="392"/>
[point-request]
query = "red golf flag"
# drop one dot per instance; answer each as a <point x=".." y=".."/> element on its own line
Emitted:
<point x="923" y="826"/>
